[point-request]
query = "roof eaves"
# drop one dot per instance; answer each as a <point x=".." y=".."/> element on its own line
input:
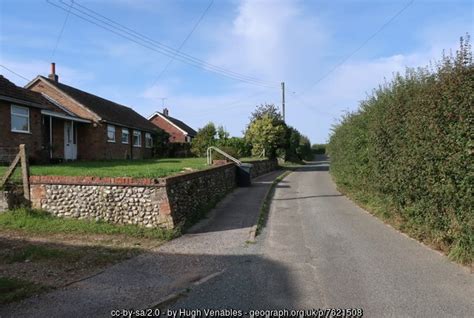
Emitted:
<point x="164" y="117"/>
<point x="128" y="126"/>
<point x="21" y="102"/>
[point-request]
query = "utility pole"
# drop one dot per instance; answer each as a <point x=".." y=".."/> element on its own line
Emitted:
<point x="283" y="100"/>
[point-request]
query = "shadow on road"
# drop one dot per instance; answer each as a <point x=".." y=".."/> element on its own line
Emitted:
<point x="241" y="281"/>
<point x="311" y="197"/>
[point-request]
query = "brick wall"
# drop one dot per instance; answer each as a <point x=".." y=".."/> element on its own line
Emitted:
<point x="32" y="140"/>
<point x="176" y="135"/>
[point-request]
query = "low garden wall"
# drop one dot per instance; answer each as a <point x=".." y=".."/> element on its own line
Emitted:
<point x="164" y="202"/>
<point x="262" y="166"/>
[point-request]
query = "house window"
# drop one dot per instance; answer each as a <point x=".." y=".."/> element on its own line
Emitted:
<point x="125" y="136"/>
<point x="20" y="119"/>
<point x="110" y="133"/>
<point x="137" y="138"/>
<point x="188" y="138"/>
<point x="148" y="140"/>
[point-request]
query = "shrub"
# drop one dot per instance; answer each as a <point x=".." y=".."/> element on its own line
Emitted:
<point x="411" y="144"/>
<point x="318" y="149"/>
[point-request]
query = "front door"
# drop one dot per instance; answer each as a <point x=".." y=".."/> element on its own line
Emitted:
<point x="70" y="141"/>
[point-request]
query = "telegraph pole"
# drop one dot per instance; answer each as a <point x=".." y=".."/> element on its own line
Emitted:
<point x="283" y="100"/>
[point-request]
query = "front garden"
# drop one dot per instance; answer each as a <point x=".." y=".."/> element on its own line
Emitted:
<point x="150" y="168"/>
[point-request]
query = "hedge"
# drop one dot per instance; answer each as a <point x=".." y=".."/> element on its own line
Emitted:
<point x="409" y="149"/>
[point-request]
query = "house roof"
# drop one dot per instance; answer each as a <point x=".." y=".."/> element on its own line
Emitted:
<point x="23" y="96"/>
<point x="107" y="110"/>
<point x="176" y="122"/>
<point x="13" y="93"/>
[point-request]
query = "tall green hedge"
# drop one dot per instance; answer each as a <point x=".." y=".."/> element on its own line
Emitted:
<point x="410" y="145"/>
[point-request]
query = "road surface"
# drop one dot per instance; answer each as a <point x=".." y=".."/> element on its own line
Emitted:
<point x="320" y="250"/>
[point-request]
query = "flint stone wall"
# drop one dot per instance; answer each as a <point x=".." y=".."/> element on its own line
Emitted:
<point x="262" y="166"/>
<point x="165" y="202"/>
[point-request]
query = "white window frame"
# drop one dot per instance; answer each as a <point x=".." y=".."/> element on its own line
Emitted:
<point x="108" y="127"/>
<point x="128" y="135"/>
<point x="139" y="134"/>
<point x="148" y="137"/>
<point x="12" y="113"/>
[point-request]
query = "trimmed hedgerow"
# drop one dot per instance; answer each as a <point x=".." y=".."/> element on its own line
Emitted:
<point x="409" y="151"/>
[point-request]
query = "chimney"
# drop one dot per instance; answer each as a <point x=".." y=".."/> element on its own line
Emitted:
<point x="165" y="111"/>
<point x="53" y="75"/>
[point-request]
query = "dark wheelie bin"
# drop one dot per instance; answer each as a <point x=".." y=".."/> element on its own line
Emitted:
<point x="243" y="175"/>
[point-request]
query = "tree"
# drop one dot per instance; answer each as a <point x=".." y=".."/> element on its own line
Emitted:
<point x="161" y="144"/>
<point x="222" y="134"/>
<point x="266" y="109"/>
<point x="205" y="137"/>
<point x="266" y="134"/>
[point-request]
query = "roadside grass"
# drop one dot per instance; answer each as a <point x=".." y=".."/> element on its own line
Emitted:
<point x="150" y="168"/>
<point x="12" y="289"/>
<point x="37" y="221"/>
<point x="265" y="207"/>
<point x="289" y="165"/>
<point x="383" y="208"/>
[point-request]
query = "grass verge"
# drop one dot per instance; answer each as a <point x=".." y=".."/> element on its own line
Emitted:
<point x="381" y="207"/>
<point x="37" y="221"/>
<point x="12" y="289"/>
<point x="265" y="207"/>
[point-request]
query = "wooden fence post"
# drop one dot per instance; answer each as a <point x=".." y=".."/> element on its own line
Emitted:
<point x="25" y="172"/>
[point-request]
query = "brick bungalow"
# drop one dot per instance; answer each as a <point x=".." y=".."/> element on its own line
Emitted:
<point x="31" y="118"/>
<point x="116" y="131"/>
<point x="178" y="130"/>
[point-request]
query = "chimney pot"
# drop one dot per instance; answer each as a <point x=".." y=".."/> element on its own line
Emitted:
<point x="53" y="75"/>
<point x="165" y="111"/>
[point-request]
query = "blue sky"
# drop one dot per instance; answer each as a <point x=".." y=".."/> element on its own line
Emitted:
<point x="293" y="41"/>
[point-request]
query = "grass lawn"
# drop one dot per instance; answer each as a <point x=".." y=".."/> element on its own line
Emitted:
<point x="151" y="168"/>
<point x="36" y="221"/>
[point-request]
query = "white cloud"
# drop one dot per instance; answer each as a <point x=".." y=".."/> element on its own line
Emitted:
<point x="269" y="40"/>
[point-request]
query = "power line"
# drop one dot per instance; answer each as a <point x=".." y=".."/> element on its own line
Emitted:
<point x="13" y="72"/>
<point x="62" y="29"/>
<point x="168" y="50"/>
<point x="184" y="42"/>
<point x="140" y="39"/>
<point x="359" y="47"/>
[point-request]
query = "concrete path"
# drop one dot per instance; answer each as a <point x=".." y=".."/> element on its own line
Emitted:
<point x="320" y="250"/>
<point x="145" y="281"/>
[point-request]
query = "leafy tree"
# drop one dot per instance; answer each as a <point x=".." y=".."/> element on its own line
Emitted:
<point x="161" y="144"/>
<point x="266" y="109"/>
<point x="205" y="137"/>
<point x="266" y="133"/>
<point x="222" y="134"/>
<point x="304" y="149"/>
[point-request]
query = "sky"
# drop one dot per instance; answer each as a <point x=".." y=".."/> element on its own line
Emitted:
<point x="216" y="60"/>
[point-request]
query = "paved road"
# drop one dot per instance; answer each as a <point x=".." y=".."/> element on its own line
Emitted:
<point x="320" y="250"/>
